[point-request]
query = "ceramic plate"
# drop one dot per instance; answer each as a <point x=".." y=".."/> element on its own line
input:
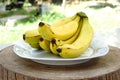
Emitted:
<point x="97" y="49"/>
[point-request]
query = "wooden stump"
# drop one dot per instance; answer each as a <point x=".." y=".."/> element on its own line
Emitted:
<point x="15" y="68"/>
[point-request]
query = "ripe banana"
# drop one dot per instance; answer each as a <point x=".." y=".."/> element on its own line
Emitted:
<point x="32" y="38"/>
<point x="44" y="44"/>
<point x="73" y="38"/>
<point x="57" y="42"/>
<point x="81" y="44"/>
<point x="63" y="32"/>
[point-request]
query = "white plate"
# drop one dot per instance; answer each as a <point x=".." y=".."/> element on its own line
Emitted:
<point x="96" y="49"/>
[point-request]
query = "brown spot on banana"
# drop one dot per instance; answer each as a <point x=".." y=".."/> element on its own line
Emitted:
<point x="53" y="41"/>
<point x="23" y="36"/>
<point x="41" y="39"/>
<point x="59" y="50"/>
<point x="68" y="48"/>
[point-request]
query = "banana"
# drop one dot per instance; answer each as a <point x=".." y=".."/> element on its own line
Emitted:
<point x="57" y="42"/>
<point x="45" y="31"/>
<point x="44" y="44"/>
<point x="81" y="44"/>
<point x="32" y="38"/>
<point x="63" y="32"/>
<point x="73" y="38"/>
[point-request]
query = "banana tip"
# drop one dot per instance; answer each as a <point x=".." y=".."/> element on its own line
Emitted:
<point x="41" y="39"/>
<point x="59" y="50"/>
<point x="53" y="41"/>
<point x="41" y="24"/>
<point x="23" y="36"/>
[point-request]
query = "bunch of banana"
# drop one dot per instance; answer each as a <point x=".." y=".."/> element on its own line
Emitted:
<point x="67" y="38"/>
<point x="80" y="45"/>
<point x="70" y="38"/>
<point x="32" y="37"/>
<point x="57" y="42"/>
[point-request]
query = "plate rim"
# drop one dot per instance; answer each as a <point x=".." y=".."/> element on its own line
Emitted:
<point x="62" y="59"/>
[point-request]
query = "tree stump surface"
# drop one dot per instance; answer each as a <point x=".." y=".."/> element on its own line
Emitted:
<point x="103" y="68"/>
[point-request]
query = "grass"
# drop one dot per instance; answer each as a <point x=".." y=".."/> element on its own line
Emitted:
<point x="104" y="18"/>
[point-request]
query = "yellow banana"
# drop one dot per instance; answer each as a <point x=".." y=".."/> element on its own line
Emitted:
<point x="45" y="31"/>
<point x="81" y="44"/>
<point x="57" y="42"/>
<point x="44" y="44"/>
<point x="73" y="38"/>
<point x="64" y="32"/>
<point x="32" y="38"/>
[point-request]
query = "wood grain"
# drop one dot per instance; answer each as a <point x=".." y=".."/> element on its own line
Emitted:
<point x="103" y="68"/>
<point x="1" y="76"/>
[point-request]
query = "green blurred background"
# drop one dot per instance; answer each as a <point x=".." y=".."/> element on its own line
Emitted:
<point x="15" y="20"/>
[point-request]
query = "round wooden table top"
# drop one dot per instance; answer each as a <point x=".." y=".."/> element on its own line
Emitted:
<point x="93" y="68"/>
